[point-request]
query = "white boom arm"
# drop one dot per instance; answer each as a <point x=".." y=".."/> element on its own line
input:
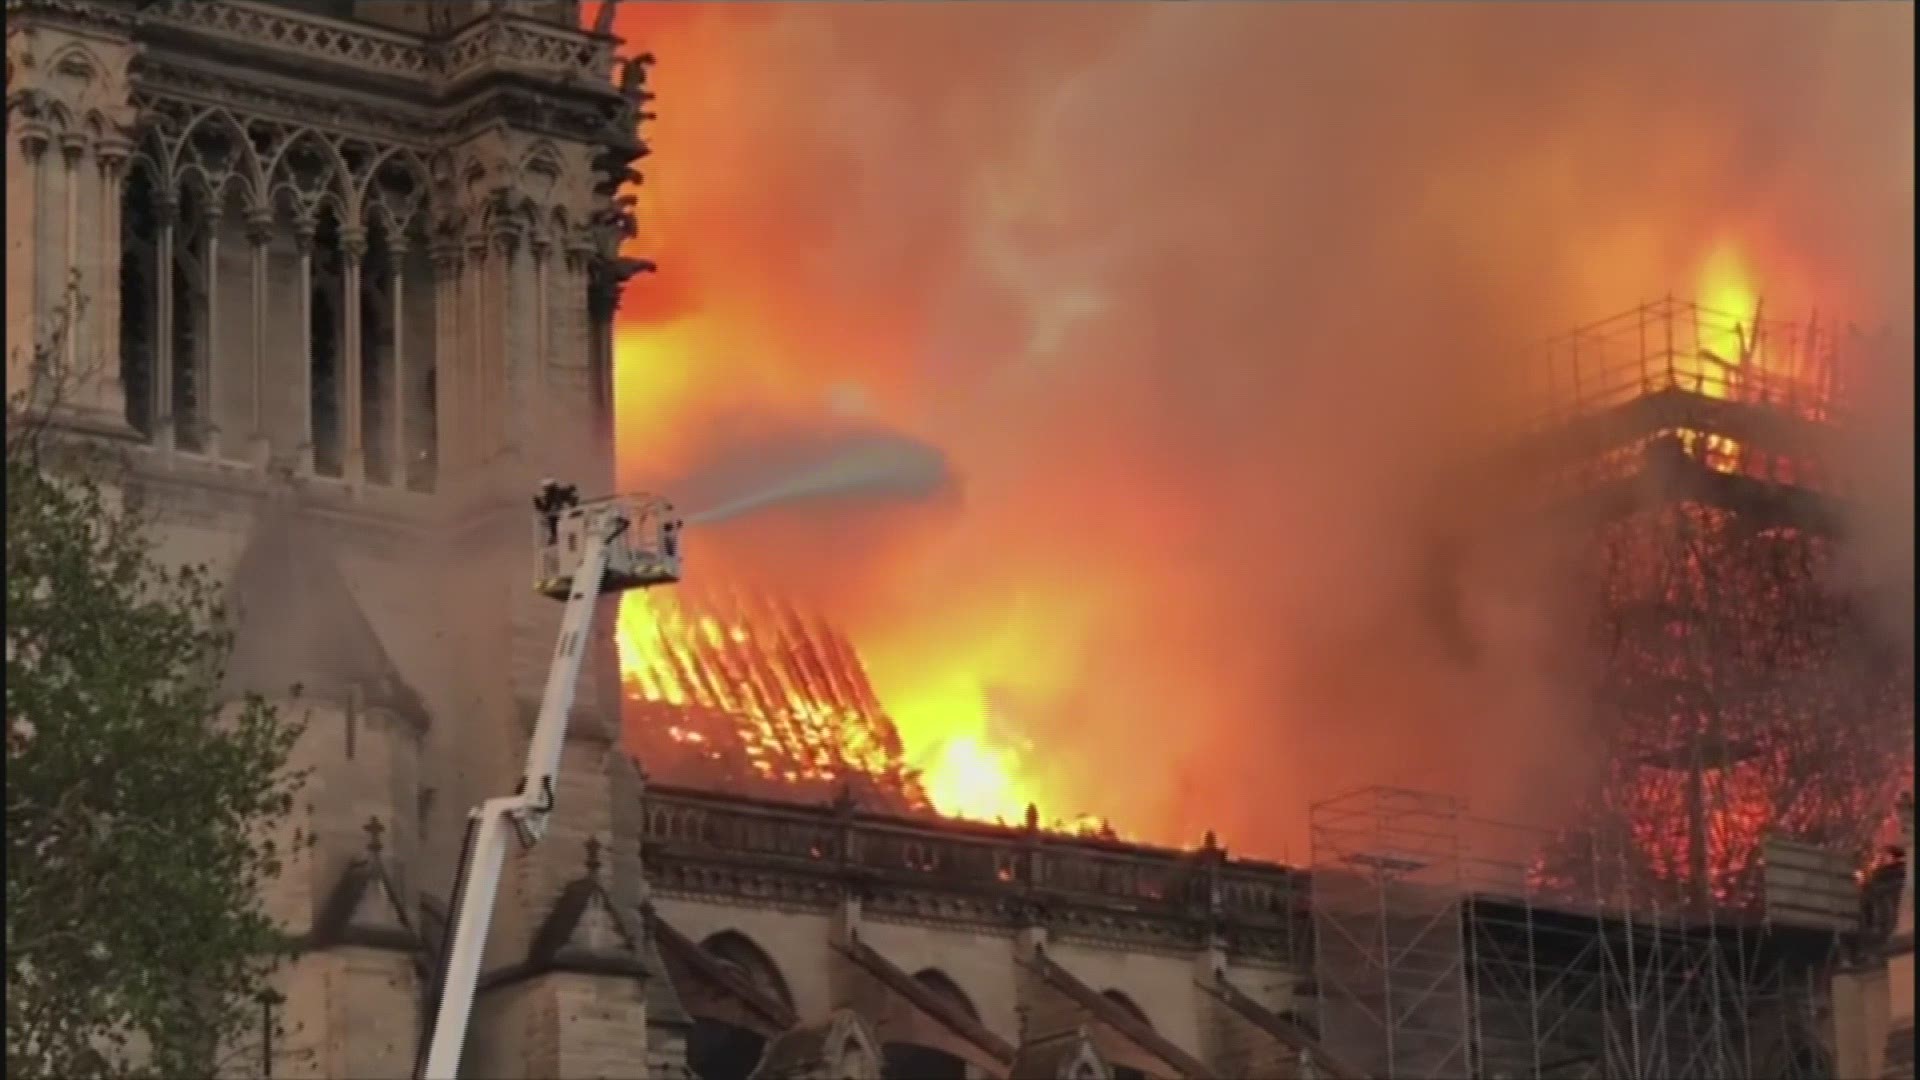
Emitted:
<point x="526" y="810"/>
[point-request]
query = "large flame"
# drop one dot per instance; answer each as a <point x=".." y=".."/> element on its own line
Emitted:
<point x="1727" y="290"/>
<point x="1182" y="363"/>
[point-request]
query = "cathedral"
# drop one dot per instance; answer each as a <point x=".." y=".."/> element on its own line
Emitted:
<point x="339" y="277"/>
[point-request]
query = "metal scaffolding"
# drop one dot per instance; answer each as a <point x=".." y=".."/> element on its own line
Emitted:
<point x="1740" y="685"/>
<point x="1435" y="958"/>
<point x="1797" y="368"/>
<point x="1389" y="948"/>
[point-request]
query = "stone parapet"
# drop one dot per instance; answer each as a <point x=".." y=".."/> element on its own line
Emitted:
<point x="705" y="844"/>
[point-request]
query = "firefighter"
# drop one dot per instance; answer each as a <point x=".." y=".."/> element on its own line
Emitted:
<point x="553" y="500"/>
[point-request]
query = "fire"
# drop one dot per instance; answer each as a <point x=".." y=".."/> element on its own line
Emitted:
<point x="1730" y="306"/>
<point x="721" y="332"/>
<point x="970" y="779"/>
<point x="890" y="214"/>
<point x="749" y="692"/>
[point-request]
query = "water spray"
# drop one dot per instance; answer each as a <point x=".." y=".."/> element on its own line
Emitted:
<point x="874" y="466"/>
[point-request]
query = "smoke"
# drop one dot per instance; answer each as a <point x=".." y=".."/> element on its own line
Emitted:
<point x="1201" y="300"/>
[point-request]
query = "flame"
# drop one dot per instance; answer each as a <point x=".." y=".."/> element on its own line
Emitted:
<point x="749" y="691"/>
<point x="1726" y="290"/>
<point x="718" y="333"/>
<point x="1725" y="347"/>
<point x="753" y="314"/>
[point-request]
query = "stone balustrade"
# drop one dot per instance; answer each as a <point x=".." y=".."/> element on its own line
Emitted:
<point x="1031" y="864"/>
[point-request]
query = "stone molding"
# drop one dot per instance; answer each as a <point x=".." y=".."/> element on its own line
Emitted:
<point x="952" y="874"/>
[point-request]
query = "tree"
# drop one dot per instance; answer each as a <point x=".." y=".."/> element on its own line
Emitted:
<point x="139" y="808"/>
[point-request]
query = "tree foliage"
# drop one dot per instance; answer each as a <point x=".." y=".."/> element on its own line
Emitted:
<point x="138" y="808"/>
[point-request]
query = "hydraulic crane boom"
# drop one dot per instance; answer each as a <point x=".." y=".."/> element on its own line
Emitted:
<point x="605" y="565"/>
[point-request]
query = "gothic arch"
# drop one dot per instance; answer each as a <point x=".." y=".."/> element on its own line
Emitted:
<point x="244" y="164"/>
<point x="76" y="77"/>
<point x="745" y="956"/>
<point x="1085" y="1062"/>
<point x="149" y="156"/>
<point x="332" y="188"/>
<point x="216" y="189"/>
<point x="941" y="984"/>
<point x="380" y="196"/>
<point x="852" y="1053"/>
<point x="520" y="213"/>
<point x="541" y="171"/>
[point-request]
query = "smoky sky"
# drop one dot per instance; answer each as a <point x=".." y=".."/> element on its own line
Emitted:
<point x="1203" y="303"/>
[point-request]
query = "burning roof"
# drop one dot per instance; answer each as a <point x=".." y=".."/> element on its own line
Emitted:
<point x="746" y="694"/>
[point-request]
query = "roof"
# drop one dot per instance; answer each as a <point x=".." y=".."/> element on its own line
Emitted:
<point x="299" y="624"/>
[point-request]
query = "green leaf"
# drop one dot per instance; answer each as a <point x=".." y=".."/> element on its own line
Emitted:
<point x="137" y="943"/>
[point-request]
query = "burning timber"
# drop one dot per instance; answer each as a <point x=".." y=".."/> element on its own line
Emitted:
<point x="1743" y="692"/>
<point x="749" y="695"/>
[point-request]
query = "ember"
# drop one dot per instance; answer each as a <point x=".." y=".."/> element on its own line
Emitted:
<point x="746" y="694"/>
<point x="750" y="696"/>
<point x="1741" y="690"/>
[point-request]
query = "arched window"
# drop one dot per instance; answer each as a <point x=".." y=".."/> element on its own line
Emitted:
<point x="937" y="981"/>
<point x="721" y="1051"/>
<point x="139" y="319"/>
<point x="717" y="1050"/>
<point x="327" y="315"/>
<point x="739" y="952"/>
<point x="189" y="284"/>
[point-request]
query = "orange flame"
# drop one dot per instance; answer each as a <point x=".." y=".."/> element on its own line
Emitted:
<point x="754" y="313"/>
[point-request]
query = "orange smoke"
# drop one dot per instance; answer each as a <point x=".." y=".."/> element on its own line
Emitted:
<point x="1191" y="298"/>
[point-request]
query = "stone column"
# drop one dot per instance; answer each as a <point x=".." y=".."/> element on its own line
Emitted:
<point x="303" y="238"/>
<point x="449" y="349"/>
<point x="209" y="360"/>
<point x="66" y="87"/>
<point x="260" y="236"/>
<point x="75" y="278"/>
<point x="166" y="213"/>
<point x="515" y="398"/>
<point x="112" y="154"/>
<point x="26" y="160"/>
<point x="472" y="365"/>
<point x="353" y="460"/>
<point x="397" y="455"/>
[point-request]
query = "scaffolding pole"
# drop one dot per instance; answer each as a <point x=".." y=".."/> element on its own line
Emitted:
<point x="1433" y="958"/>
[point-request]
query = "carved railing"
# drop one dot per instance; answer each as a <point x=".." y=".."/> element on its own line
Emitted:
<point x="502" y="42"/>
<point x="308" y="36"/>
<point x="528" y="46"/>
<point x="690" y="826"/>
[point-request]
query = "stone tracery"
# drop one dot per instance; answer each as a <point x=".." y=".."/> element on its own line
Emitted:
<point x="290" y="283"/>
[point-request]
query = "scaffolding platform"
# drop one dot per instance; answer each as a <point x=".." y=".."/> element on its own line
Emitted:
<point x="1439" y="953"/>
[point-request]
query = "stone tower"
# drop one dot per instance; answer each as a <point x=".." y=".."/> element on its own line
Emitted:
<point x="338" y="279"/>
